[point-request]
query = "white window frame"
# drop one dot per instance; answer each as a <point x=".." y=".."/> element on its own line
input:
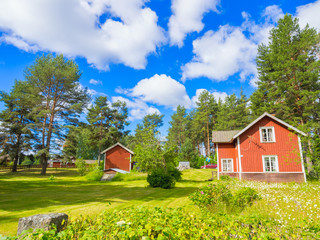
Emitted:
<point x="222" y="165"/>
<point x="273" y="134"/>
<point x="263" y="163"/>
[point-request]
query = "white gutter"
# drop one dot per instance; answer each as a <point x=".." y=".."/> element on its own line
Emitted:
<point x="218" y="162"/>
<point x="301" y="157"/>
<point x="239" y="156"/>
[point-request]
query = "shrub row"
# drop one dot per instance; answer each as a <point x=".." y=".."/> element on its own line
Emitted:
<point x="166" y="223"/>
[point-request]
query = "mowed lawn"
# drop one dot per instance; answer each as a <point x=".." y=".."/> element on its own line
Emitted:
<point x="27" y="193"/>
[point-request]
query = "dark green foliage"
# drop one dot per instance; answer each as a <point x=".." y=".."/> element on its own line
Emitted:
<point x="225" y="178"/>
<point x="244" y="197"/>
<point x="174" y="172"/>
<point x="161" y="178"/>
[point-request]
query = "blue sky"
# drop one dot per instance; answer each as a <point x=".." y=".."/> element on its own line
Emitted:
<point x="152" y="54"/>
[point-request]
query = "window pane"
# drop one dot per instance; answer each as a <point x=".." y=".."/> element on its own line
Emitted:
<point x="264" y="135"/>
<point x="273" y="164"/>
<point x="266" y="164"/>
<point x="270" y="135"/>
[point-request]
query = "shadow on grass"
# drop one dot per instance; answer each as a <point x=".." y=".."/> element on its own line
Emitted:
<point x="28" y="195"/>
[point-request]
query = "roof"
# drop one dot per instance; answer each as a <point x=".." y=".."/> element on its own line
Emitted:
<point x="229" y="136"/>
<point x="118" y="170"/>
<point x="223" y="136"/>
<point x="117" y="144"/>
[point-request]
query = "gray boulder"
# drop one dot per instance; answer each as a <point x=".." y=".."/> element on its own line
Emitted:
<point x="43" y="221"/>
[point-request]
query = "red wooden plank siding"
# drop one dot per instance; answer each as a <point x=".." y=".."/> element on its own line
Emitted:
<point x="227" y="150"/>
<point x="286" y="148"/>
<point x="117" y="157"/>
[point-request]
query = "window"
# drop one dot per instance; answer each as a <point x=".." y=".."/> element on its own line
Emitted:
<point x="270" y="163"/>
<point x="227" y="165"/>
<point x="267" y="134"/>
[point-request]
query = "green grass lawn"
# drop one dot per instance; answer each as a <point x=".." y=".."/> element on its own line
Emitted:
<point x="27" y="193"/>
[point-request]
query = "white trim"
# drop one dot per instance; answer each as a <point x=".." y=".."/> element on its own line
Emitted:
<point x="104" y="161"/>
<point x="272" y="117"/>
<point x="130" y="164"/>
<point x="301" y="157"/>
<point x="118" y="144"/>
<point x="273" y="134"/>
<point x="232" y="170"/>
<point x="239" y="156"/>
<point x="218" y="161"/>
<point x="277" y="163"/>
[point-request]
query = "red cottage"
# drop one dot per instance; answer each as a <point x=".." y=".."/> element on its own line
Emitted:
<point x="117" y="158"/>
<point x="268" y="150"/>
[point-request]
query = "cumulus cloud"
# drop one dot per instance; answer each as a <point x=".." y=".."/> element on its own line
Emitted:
<point x="217" y="95"/>
<point x="221" y="54"/>
<point x="162" y="90"/>
<point x="309" y="14"/>
<point x="231" y="49"/>
<point x="137" y="108"/>
<point x="95" y="82"/>
<point x="76" y="28"/>
<point x="187" y="17"/>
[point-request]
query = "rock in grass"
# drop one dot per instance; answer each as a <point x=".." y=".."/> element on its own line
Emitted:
<point x="44" y="221"/>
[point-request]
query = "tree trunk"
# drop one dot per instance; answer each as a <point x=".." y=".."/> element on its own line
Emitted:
<point x="208" y="140"/>
<point x="99" y="156"/>
<point x="16" y="157"/>
<point x="308" y="160"/>
<point x="44" y="164"/>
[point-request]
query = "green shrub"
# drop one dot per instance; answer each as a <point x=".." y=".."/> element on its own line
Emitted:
<point x="27" y="162"/>
<point x="94" y="174"/>
<point x="245" y="196"/>
<point x="81" y="166"/>
<point x="225" y="178"/>
<point x="167" y="223"/>
<point x="175" y="173"/>
<point x="218" y="198"/>
<point x="161" y="178"/>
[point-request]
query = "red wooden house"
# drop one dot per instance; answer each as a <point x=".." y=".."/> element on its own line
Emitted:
<point x="268" y="149"/>
<point x="117" y="158"/>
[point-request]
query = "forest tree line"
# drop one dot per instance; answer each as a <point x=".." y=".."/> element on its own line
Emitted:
<point x="46" y="111"/>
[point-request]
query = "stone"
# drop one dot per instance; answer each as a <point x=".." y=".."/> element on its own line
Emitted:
<point x="44" y="221"/>
<point x="107" y="176"/>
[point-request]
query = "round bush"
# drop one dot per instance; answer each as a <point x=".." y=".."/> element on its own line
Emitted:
<point x="160" y="178"/>
<point x="175" y="173"/>
<point x="27" y="162"/>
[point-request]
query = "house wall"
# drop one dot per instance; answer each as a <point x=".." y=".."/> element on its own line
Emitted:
<point x="228" y="150"/>
<point x="117" y="157"/>
<point x="286" y="147"/>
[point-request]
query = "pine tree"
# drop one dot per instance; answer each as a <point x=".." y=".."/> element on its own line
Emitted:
<point x="16" y="119"/>
<point x="55" y="83"/>
<point x="288" y="69"/>
<point x="178" y="129"/>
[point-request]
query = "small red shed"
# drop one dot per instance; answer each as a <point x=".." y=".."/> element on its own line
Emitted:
<point x="117" y="157"/>
<point x="268" y="149"/>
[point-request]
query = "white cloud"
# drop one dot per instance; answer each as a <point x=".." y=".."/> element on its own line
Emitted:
<point x="162" y="90"/>
<point x="217" y="95"/>
<point x="95" y="82"/>
<point x="221" y="54"/>
<point x="137" y="108"/>
<point x="187" y="17"/>
<point x="231" y="49"/>
<point x="73" y="28"/>
<point x="309" y="14"/>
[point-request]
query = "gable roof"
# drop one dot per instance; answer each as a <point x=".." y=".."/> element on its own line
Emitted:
<point x="225" y="136"/>
<point x="117" y="144"/>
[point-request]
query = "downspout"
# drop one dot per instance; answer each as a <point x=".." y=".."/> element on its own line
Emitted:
<point x="218" y="162"/>
<point x="301" y="156"/>
<point x="239" y="156"/>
